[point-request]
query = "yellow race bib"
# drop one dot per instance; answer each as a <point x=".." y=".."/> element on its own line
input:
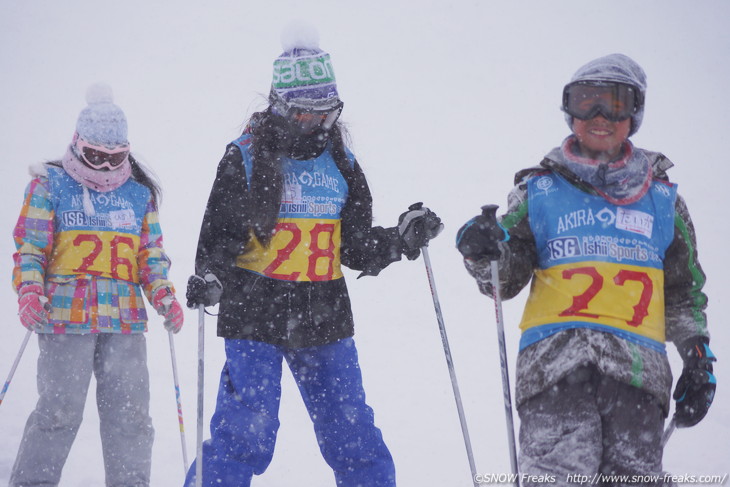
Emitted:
<point x="302" y="249"/>
<point x="619" y="297"/>
<point x="98" y="253"/>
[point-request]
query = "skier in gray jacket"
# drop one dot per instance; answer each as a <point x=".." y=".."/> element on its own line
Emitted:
<point x="610" y="249"/>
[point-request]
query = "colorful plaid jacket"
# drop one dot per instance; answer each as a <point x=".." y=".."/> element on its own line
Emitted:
<point x="95" y="261"/>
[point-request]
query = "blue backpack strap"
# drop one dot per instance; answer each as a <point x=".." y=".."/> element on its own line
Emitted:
<point x="243" y="143"/>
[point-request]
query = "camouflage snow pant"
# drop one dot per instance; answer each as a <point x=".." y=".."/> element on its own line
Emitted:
<point x="65" y="365"/>
<point x="592" y="430"/>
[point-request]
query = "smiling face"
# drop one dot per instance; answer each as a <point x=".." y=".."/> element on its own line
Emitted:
<point x="599" y="138"/>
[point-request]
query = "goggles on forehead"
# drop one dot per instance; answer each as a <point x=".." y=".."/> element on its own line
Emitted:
<point x="614" y="101"/>
<point x="99" y="156"/>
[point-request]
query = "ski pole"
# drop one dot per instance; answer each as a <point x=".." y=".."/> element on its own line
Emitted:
<point x="179" y="403"/>
<point x="668" y="432"/>
<point x="449" y="363"/>
<point x="201" y="380"/>
<point x="15" y="364"/>
<point x="490" y="211"/>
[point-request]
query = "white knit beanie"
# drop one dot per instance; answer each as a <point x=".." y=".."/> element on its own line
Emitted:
<point x="102" y="122"/>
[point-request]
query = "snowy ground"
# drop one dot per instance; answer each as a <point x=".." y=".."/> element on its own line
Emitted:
<point x="445" y="101"/>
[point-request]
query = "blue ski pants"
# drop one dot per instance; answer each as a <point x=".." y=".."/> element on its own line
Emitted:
<point x="245" y="423"/>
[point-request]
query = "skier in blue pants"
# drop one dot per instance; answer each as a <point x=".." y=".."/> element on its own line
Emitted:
<point x="289" y="206"/>
<point x="330" y="382"/>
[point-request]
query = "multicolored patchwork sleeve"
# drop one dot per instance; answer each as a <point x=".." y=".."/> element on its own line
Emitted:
<point x="152" y="261"/>
<point x="33" y="235"/>
<point x="684" y="300"/>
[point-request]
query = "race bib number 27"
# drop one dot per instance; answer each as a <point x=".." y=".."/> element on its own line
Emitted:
<point x="625" y="297"/>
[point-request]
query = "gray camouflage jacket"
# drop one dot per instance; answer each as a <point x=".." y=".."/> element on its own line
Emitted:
<point x="544" y="363"/>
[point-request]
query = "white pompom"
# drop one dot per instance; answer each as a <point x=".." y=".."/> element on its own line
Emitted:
<point x="301" y="34"/>
<point x="99" y="93"/>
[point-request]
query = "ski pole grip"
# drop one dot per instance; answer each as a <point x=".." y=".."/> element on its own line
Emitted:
<point x="416" y="206"/>
<point x="490" y="211"/>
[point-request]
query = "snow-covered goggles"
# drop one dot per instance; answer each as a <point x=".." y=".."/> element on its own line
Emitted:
<point x="307" y="120"/>
<point x="614" y="101"/>
<point x="99" y="156"/>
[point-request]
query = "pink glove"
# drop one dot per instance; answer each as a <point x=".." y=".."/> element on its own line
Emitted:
<point x="166" y="305"/>
<point x="33" y="307"/>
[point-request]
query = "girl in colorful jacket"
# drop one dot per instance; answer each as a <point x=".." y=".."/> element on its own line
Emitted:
<point x="288" y="207"/>
<point x="89" y="244"/>
<point x="611" y="252"/>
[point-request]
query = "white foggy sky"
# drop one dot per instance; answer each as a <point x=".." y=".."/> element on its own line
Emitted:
<point x="445" y="100"/>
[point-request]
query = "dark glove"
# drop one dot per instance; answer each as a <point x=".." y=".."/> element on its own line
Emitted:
<point x="696" y="386"/>
<point x="416" y="227"/>
<point x="204" y="290"/>
<point x="480" y="236"/>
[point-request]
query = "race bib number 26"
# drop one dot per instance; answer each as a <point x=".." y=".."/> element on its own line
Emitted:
<point x="105" y="254"/>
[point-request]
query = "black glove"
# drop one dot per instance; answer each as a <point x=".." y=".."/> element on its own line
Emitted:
<point x="204" y="290"/>
<point x="696" y="386"/>
<point x="416" y="227"/>
<point x="480" y="236"/>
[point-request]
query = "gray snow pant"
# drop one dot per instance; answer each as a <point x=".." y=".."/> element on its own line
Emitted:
<point x="65" y="365"/>
<point x="591" y="426"/>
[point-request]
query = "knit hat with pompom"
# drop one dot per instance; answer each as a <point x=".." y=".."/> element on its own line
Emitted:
<point x="303" y="75"/>
<point x="102" y="122"/>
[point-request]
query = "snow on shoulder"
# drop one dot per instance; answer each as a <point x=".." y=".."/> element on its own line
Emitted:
<point x="299" y="34"/>
<point x="38" y="169"/>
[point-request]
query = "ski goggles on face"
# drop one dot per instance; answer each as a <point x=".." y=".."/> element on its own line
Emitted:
<point x="614" y="101"/>
<point x="309" y="120"/>
<point x="99" y="156"/>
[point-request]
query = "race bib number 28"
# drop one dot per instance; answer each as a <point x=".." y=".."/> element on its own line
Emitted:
<point x="300" y="250"/>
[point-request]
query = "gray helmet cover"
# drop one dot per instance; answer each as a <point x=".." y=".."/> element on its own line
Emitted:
<point x="619" y="68"/>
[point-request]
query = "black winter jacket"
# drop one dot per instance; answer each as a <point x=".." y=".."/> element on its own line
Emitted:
<point x="286" y="313"/>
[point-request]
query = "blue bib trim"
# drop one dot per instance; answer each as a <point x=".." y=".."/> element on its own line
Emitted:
<point x="534" y="335"/>
<point x="313" y="188"/>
